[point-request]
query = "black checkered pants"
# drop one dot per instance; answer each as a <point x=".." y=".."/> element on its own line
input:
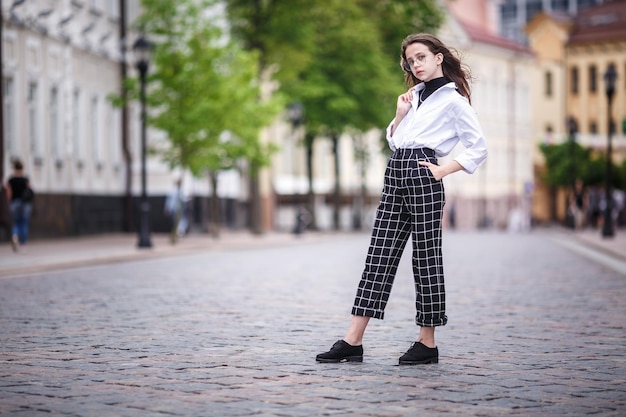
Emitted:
<point x="411" y="205"/>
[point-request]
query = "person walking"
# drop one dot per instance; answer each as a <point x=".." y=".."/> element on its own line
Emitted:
<point x="176" y="209"/>
<point x="431" y="118"/>
<point x="579" y="204"/>
<point x="20" y="196"/>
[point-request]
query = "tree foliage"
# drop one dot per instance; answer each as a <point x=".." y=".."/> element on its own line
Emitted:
<point x="339" y="58"/>
<point x="282" y="31"/>
<point x="568" y="161"/>
<point x="204" y="90"/>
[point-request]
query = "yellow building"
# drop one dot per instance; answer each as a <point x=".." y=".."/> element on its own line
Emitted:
<point x="573" y="54"/>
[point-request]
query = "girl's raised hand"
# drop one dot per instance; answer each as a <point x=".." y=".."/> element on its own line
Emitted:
<point x="404" y="104"/>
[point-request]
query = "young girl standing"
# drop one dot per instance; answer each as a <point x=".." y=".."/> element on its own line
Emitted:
<point x="431" y="118"/>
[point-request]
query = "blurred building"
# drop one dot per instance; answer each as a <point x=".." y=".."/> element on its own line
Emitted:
<point x="513" y="15"/>
<point x="573" y="53"/>
<point x="497" y="195"/>
<point x="61" y="60"/>
<point x="362" y="165"/>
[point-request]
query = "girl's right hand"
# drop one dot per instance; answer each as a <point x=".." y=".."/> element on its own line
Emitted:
<point x="404" y="104"/>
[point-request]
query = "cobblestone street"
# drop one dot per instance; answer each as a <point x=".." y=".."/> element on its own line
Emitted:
<point x="535" y="329"/>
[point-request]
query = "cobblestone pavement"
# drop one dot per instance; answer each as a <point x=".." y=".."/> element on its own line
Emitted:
<point x="534" y="329"/>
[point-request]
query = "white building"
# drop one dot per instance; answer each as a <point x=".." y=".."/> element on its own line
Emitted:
<point x="498" y="193"/>
<point x="61" y="59"/>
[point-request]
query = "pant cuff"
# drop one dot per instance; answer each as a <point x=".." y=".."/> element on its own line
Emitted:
<point x="363" y="312"/>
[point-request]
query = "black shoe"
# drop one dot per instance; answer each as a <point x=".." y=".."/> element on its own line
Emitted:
<point x="420" y="354"/>
<point x="340" y="352"/>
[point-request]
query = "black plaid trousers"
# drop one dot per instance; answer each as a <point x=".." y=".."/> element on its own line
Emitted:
<point x="411" y="205"/>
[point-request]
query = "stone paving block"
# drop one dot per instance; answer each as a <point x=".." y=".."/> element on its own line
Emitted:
<point x="236" y="332"/>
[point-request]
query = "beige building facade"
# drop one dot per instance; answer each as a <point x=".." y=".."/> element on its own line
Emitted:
<point x="498" y="194"/>
<point x="573" y="54"/>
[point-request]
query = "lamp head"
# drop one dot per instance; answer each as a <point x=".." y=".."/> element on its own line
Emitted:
<point x="295" y="113"/>
<point x="572" y="125"/>
<point x="142" y="49"/>
<point x="610" y="77"/>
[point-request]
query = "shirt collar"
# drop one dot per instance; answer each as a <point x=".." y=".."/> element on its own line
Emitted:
<point x="422" y="86"/>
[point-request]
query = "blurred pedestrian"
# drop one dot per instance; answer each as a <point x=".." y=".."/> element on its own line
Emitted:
<point x="175" y="209"/>
<point x="596" y="197"/>
<point x="20" y="194"/>
<point x="579" y="204"/>
<point x="619" y="201"/>
<point x="303" y="219"/>
<point x="431" y="118"/>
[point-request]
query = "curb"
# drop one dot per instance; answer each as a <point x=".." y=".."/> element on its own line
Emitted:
<point x="35" y="263"/>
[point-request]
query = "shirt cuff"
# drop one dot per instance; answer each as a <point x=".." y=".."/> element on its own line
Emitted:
<point x="388" y="136"/>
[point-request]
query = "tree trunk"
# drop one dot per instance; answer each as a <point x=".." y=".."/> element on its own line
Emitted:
<point x="361" y="198"/>
<point x="256" y="217"/>
<point x="127" y="218"/>
<point x="337" y="191"/>
<point x="214" y="210"/>
<point x="308" y="141"/>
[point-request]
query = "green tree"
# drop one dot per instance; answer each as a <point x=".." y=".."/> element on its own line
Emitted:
<point x="349" y="81"/>
<point x="336" y="57"/>
<point x="205" y="93"/>
<point x="567" y="161"/>
<point x="281" y="32"/>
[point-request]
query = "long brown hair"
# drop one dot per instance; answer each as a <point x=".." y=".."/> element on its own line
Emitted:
<point x="451" y="65"/>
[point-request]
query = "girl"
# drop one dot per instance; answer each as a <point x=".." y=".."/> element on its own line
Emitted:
<point x="431" y="118"/>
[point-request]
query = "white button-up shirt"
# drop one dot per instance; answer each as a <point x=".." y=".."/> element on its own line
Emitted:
<point x="439" y="123"/>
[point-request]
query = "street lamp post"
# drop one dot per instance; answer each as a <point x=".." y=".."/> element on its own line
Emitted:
<point x="572" y="128"/>
<point x="142" y="49"/>
<point x="610" y="76"/>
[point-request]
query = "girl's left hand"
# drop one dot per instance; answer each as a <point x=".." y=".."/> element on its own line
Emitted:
<point x="435" y="169"/>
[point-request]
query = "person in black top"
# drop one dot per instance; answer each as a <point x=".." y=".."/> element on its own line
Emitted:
<point x="19" y="193"/>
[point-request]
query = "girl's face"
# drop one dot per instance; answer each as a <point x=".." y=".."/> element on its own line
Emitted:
<point x="424" y="64"/>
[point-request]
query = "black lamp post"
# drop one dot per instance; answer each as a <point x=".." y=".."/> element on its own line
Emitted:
<point x="142" y="49"/>
<point x="572" y="128"/>
<point x="610" y="76"/>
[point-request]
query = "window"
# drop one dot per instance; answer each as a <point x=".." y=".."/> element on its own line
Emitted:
<point x="574" y="80"/>
<point x="78" y="149"/>
<point x="560" y="5"/>
<point x="586" y="3"/>
<point x="533" y="7"/>
<point x="508" y="11"/>
<point x="33" y="116"/>
<point x="593" y="128"/>
<point x="8" y="109"/>
<point x="54" y="124"/>
<point x="113" y="9"/>
<point x="95" y="132"/>
<point x="593" y="79"/>
<point x="548" y="84"/>
<point x="115" y="144"/>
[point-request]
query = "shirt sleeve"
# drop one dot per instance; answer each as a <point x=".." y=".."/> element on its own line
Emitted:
<point x="400" y="130"/>
<point x="389" y="138"/>
<point x="471" y="136"/>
